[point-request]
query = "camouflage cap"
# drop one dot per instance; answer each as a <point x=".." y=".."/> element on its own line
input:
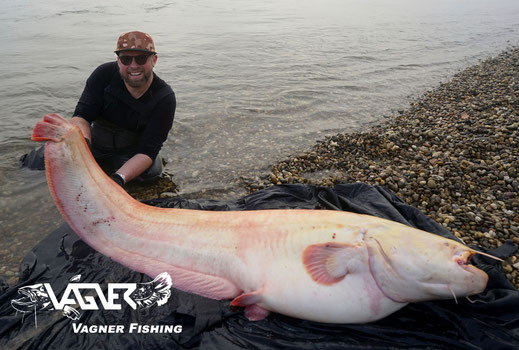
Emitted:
<point x="135" y="41"/>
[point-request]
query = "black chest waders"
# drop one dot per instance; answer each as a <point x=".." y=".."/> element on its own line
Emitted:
<point x="112" y="146"/>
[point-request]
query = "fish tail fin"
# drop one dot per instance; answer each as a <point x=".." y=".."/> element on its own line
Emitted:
<point x="162" y="285"/>
<point x="162" y="281"/>
<point x="52" y="128"/>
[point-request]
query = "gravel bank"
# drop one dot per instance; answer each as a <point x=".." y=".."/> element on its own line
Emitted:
<point x="454" y="154"/>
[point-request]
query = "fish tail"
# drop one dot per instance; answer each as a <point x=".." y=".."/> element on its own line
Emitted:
<point x="162" y="286"/>
<point x="52" y="128"/>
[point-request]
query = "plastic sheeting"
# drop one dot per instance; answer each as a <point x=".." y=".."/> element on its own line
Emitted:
<point x="490" y="322"/>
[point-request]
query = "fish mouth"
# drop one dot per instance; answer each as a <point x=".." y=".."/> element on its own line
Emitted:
<point x="463" y="258"/>
<point x="26" y="302"/>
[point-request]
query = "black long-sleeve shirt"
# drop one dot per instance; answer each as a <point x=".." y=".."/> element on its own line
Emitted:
<point x="151" y="116"/>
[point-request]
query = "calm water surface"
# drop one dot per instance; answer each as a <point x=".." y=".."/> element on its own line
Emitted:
<point x="254" y="80"/>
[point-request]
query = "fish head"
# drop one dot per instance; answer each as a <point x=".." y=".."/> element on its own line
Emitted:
<point x="411" y="265"/>
<point x="156" y="292"/>
<point x="34" y="297"/>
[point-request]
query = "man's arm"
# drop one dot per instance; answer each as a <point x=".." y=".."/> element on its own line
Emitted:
<point x="135" y="166"/>
<point x="132" y="168"/>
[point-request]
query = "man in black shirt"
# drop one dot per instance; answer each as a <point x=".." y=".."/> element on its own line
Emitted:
<point x="126" y="111"/>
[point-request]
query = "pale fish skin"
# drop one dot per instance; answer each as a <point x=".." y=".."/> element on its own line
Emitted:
<point x="319" y="265"/>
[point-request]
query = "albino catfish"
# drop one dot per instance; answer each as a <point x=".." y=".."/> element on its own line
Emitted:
<point x="320" y="265"/>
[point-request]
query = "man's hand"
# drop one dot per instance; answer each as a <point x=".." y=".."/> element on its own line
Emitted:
<point x="83" y="125"/>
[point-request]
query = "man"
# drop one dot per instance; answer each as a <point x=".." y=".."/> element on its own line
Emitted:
<point x="126" y="112"/>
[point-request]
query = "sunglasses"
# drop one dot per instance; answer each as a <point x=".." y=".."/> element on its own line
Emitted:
<point x="140" y="59"/>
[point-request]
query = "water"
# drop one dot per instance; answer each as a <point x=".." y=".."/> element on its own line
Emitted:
<point x="254" y="80"/>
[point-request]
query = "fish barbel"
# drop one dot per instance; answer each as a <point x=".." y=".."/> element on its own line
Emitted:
<point x="320" y="265"/>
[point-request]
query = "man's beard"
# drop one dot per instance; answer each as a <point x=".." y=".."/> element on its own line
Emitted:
<point x="136" y="83"/>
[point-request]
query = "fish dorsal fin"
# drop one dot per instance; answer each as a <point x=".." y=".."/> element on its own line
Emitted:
<point x="328" y="263"/>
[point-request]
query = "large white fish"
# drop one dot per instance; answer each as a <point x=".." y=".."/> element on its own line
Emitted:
<point x="320" y="265"/>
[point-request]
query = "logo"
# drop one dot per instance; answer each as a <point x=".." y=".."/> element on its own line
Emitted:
<point x="41" y="296"/>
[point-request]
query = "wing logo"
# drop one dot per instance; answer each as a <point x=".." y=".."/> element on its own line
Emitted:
<point x="82" y="296"/>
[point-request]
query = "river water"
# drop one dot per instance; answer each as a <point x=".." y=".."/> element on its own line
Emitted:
<point x="254" y="80"/>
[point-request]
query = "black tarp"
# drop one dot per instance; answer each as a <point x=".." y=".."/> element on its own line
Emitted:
<point x="490" y="322"/>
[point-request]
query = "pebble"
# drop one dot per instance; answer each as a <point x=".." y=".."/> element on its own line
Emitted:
<point x="168" y="195"/>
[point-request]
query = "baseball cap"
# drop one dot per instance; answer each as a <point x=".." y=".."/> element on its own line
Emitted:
<point x="135" y="41"/>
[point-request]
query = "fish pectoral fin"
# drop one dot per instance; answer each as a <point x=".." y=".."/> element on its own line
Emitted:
<point x="250" y="301"/>
<point x="327" y="263"/>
